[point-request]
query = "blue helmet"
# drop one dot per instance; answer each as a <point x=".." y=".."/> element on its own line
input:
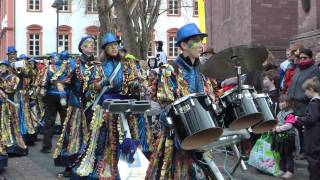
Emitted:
<point x="5" y="62"/>
<point x="109" y="38"/>
<point x="187" y="31"/>
<point x="53" y="55"/>
<point x="64" y="55"/>
<point x="23" y="56"/>
<point x="11" y="50"/>
<point x="32" y="60"/>
<point x="83" y="39"/>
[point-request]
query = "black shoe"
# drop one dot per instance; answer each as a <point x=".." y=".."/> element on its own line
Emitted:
<point x="64" y="174"/>
<point x="45" y="150"/>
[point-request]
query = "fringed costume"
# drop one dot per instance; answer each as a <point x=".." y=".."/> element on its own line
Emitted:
<point x="168" y="160"/>
<point x="10" y="124"/>
<point x="75" y="132"/>
<point x="101" y="156"/>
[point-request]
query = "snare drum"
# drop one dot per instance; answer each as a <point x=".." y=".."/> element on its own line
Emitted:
<point x="240" y="112"/>
<point x="269" y="121"/>
<point x="193" y="119"/>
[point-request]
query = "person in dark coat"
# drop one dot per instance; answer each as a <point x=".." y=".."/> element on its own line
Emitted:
<point x="311" y="123"/>
<point x="304" y="70"/>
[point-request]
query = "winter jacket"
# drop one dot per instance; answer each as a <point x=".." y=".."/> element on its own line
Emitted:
<point x="295" y="90"/>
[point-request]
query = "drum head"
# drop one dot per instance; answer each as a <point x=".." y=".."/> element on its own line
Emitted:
<point x="246" y="121"/>
<point x="201" y="138"/>
<point x="264" y="126"/>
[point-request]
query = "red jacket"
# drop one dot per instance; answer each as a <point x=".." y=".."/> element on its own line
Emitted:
<point x="288" y="79"/>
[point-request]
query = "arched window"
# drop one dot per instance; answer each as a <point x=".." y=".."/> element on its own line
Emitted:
<point x="34" y="40"/>
<point x="64" y="38"/>
<point x="173" y="50"/>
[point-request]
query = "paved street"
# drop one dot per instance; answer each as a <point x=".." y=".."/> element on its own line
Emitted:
<point x="39" y="166"/>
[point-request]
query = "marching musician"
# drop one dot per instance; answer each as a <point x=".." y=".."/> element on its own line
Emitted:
<point x="27" y="118"/>
<point x="10" y="125"/>
<point x="174" y="82"/>
<point x="75" y="131"/>
<point x="12" y="55"/>
<point x="55" y="100"/>
<point x="100" y="158"/>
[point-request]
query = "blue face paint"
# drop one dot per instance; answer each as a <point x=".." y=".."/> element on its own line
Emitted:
<point x="193" y="44"/>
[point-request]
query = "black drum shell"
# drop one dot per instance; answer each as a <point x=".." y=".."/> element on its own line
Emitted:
<point x="194" y="121"/>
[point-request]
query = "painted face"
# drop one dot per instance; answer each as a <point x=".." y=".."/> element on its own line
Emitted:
<point x="88" y="46"/>
<point x="194" y="46"/>
<point x="3" y="68"/>
<point x="12" y="57"/>
<point x="112" y="49"/>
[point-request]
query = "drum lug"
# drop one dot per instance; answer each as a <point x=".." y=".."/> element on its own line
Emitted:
<point x="208" y="101"/>
<point x="169" y="120"/>
<point x="192" y="102"/>
<point x="175" y="111"/>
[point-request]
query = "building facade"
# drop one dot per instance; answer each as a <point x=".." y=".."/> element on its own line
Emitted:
<point x="308" y="25"/>
<point x="236" y="22"/>
<point x="30" y="25"/>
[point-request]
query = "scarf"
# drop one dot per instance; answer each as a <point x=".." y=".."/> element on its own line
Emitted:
<point x="304" y="64"/>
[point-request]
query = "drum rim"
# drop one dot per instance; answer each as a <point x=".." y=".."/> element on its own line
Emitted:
<point x="230" y="91"/>
<point x="261" y="95"/>
<point x="184" y="98"/>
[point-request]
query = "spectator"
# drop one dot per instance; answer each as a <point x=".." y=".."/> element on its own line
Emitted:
<point x="311" y="122"/>
<point x="283" y="67"/>
<point x="161" y="56"/>
<point x="206" y="55"/>
<point x="317" y="59"/>
<point x="305" y="70"/>
<point x="270" y="84"/>
<point x="293" y="58"/>
<point x="284" y="137"/>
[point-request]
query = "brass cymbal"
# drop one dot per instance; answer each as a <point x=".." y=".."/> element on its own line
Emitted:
<point x="221" y="66"/>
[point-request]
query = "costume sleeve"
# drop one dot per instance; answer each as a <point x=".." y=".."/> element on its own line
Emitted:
<point x="312" y="115"/>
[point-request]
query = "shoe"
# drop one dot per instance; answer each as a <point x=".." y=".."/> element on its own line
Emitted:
<point x="281" y="173"/>
<point x="46" y="150"/>
<point x="287" y="175"/>
<point x="64" y="174"/>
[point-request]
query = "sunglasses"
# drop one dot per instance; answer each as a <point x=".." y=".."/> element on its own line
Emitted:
<point x="303" y="58"/>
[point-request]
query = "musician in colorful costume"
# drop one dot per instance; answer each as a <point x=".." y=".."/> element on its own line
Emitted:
<point x="100" y="159"/>
<point x="12" y="55"/>
<point x="28" y="120"/>
<point x="75" y="132"/>
<point x="169" y="161"/>
<point x="10" y="125"/>
<point x="59" y="77"/>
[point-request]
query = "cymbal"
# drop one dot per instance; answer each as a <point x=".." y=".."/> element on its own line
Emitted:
<point x="221" y="66"/>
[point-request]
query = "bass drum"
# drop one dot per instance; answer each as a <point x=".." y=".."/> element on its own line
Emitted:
<point x="193" y="119"/>
<point x="240" y="113"/>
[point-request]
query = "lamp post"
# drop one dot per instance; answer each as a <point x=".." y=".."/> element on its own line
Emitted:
<point x="57" y="4"/>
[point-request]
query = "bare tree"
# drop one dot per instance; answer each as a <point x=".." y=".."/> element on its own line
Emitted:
<point x="134" y="18"/>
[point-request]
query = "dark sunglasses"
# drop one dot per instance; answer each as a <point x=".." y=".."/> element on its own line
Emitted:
<point x="303" y="58"/>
